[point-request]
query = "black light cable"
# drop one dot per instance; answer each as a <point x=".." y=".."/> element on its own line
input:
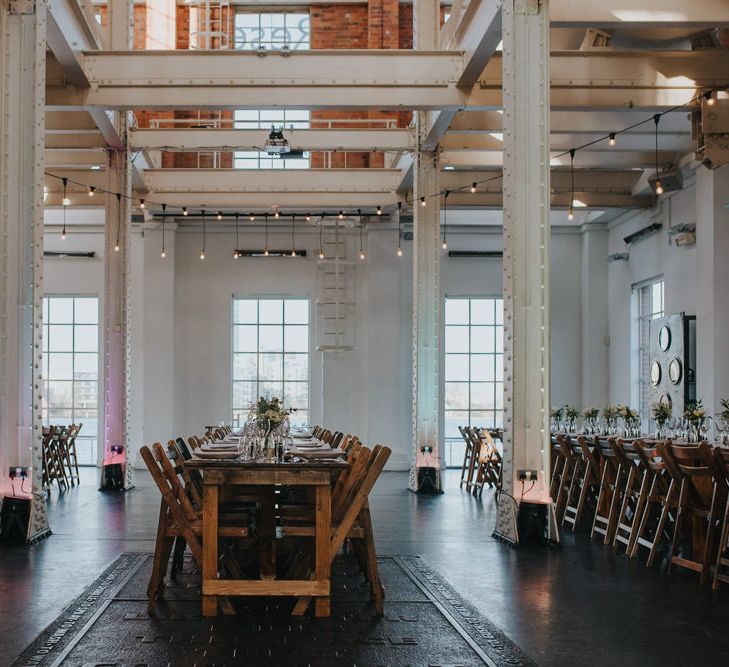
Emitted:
<point x="571" y="210"/>
<point x="321" y="243"/>
<point x="444" y="245"/>
<point x="293" y="235"/>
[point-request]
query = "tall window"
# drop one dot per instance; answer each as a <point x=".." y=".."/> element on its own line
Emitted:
<point x="649" y="305"/>
<point x="71" y="368"/>
<point x="271" y="354"/>
<point x="474" y="334"/>
<point x="273" y="31"/>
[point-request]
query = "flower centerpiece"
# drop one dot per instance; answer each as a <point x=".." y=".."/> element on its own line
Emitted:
<point x="270" y="416"/>
<point x="589" y="416"/>
<point x="695" y="415"/>
<point x="570" y="417"/>
<point x="662" y="412"/>
<point x="631" y="420"/>
<point x="723" y="421"/>
<point x="557" y="414"/>
<point x="611" y="413"/>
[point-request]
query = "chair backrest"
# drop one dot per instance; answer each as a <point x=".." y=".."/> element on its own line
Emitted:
<point x="336" y="439"/>
<point x="171" y="497"/>
<point x="183" y="448"/>
<point x="625" y="451"/>
<point x="192" y="479"/>
<point x="649" y="457"/>
<point x="689" y="463"/>
<point x="721" y="456"/>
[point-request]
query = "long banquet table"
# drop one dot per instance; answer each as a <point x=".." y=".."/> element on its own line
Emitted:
<point x="218" y="475"/>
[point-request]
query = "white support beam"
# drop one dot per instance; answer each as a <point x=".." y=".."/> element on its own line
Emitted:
<point x="619" y="14"/>
<point x="71" y="29"/>
<point x="198" y="139"/>
<point x="608" y="159"/>
<point x="526" y="255"/>
<point x="22" y="122"/>
<point x="379" y="79"/>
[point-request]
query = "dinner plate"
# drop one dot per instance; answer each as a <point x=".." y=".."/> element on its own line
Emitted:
<point x="219" y="456"/>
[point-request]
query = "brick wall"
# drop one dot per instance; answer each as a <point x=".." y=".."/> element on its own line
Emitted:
<point x="380" y="24"/>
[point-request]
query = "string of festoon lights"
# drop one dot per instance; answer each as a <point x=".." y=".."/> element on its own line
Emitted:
<point x="611" y="138"/>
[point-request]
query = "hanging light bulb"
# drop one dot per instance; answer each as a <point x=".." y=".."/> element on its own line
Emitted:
<point x="709" y="97"/>
<point x="321" y="243"/>
<point x="379" y="210"/>
<point x="252" y="217"/>
<point x="399" y="228"/>
<point x="276" y="215"/>
<point x="92" y="189"/>
<point x="235" y="252"/>
<point x="65" y="201"/>
<point x="444" y="245"/>
<point x="473" y="187"/>
<point x="220" y="215"/>
<point x="570" y="210"/>
<point x="265" y="249"/>
<point x="307" y="217"/>
<point x="659" y="185"/>
<point x="361" y="248"/>
<point x="570" y="214"/>
<point x="118" y="220"/>
<point x="293" y="235"/>
<point x="184" y="211"/>
<point x="163" y="254"/>
<point x="422" y="201"/>
<point x="202" y="252"/>
<point x="341" y="215"/>
<point x="141" y="204"/>
<point x="611" y="139"/>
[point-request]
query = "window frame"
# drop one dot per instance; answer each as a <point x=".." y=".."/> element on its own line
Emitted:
<point x="238" y="412"/>
<point x="454" y="442"/>
<point x="84" y="435"/>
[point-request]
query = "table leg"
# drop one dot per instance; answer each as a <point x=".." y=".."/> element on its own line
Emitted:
<point x="322" y="605"/>
<point x="267" y="539"/>
<point x="210" y="546"/>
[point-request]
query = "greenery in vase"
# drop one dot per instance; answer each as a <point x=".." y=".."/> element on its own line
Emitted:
<point x="627" y="413"/>
<point x="611" y="413"/>
<point x="270" y="410"/>
<point x="695" y="412"/>
<point x="724" y="414"/>
<point x="590" y="413"/>
<point x="662" y="413"/>
<point x="557" y="414"/>
<point x="571" y="414"/>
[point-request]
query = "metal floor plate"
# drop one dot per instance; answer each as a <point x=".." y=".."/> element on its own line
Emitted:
<point x="425" y="623"/>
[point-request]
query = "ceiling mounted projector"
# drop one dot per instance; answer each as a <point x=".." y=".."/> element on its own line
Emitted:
<point x="276" y="143"/>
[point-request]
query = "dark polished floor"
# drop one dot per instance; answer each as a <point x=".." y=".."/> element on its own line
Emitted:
<point x="577" y="605"/>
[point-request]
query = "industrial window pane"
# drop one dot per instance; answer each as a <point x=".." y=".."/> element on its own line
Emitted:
<point x="275" y="361"/>
<point x="473" y="383"/>
<point x="71" y="369"/>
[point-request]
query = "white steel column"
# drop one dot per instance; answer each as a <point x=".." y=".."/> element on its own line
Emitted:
<point x="712" y="300"/>
<point x="116" y="269"/>
<point x="526" y="253"/>
<point x="427" y="452"/>
<point x="22" y="127"/>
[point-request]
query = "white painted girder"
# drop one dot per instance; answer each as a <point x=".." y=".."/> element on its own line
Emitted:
<point x="196" y="139"/>
<point x="587" y="158"/>
<point x="387" y="79"/>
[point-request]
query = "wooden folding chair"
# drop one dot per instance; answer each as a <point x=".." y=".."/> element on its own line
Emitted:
<point x="177" y="517"/>
<point x="721" y="567"/>
<point x="585" y="483"/>
<point x="488" y="464"/>
<point x="351" y="519"/>
<point x="702" y="494"/>
<point x="659" y="498"/>
<point x="336" y="439"/>
<point x="568" y="492"/>
<point x="631" y="501"/>
<point x="467" y="455"/>
<point x="611" y="479"/>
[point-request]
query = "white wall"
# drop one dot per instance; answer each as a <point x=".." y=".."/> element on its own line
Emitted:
<point x="181" y="322"/>
<point x="650" y="258"/>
